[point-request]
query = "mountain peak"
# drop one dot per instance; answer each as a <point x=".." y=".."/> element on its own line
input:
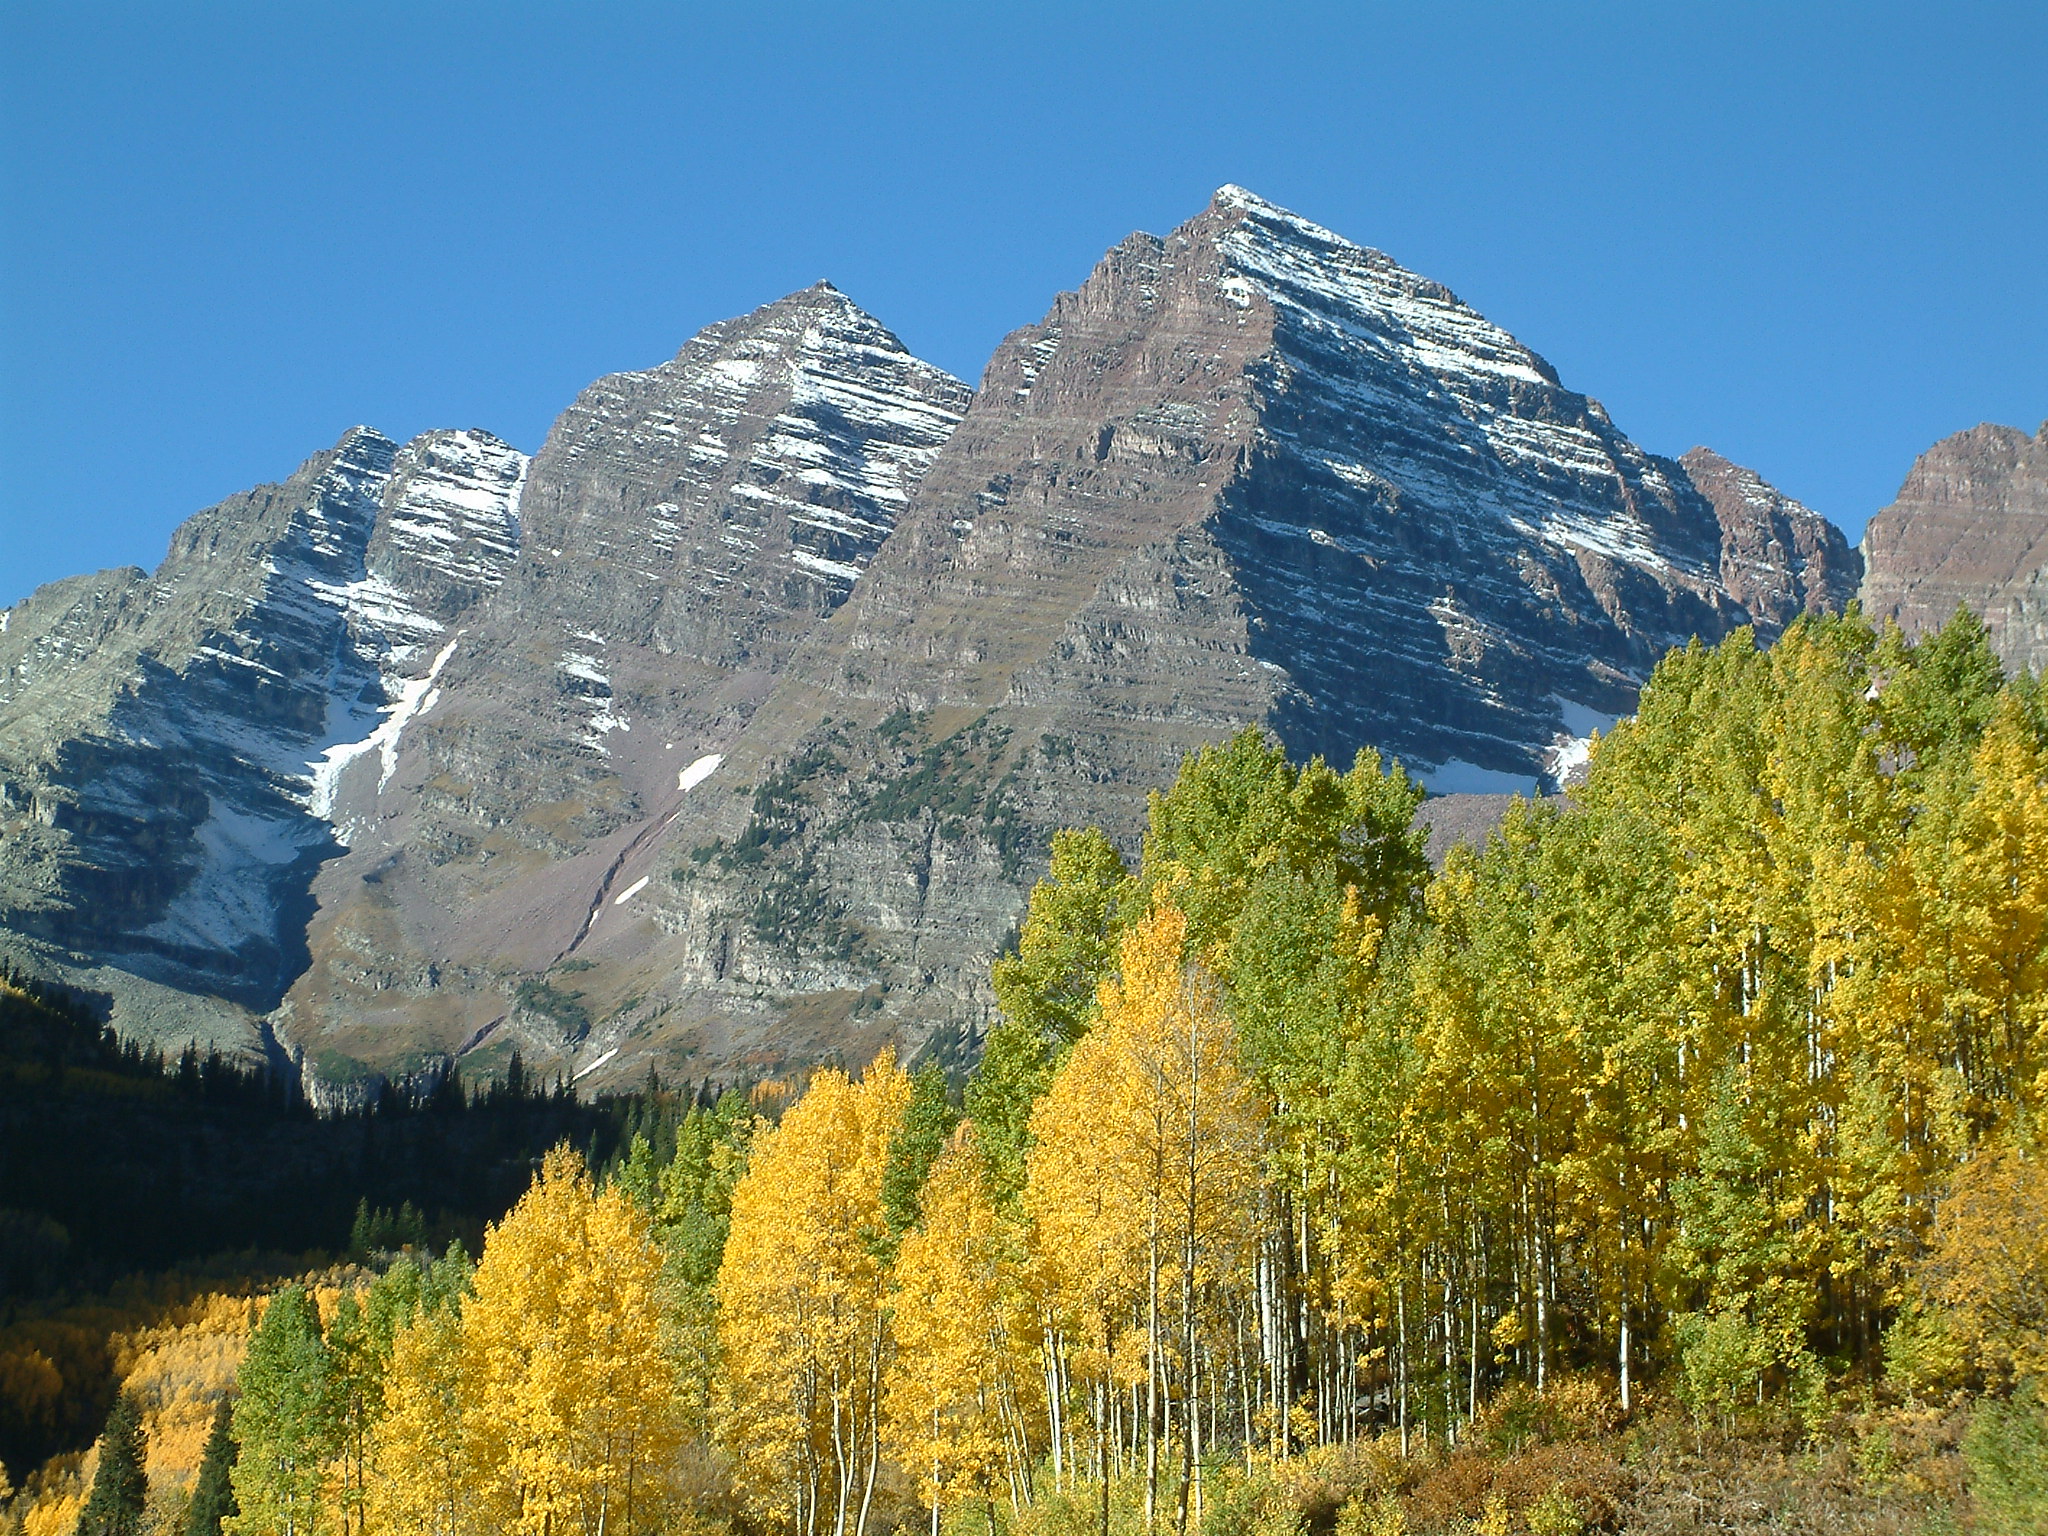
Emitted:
<point x="1232" y="198"/>
<point x="1969" y="525"/>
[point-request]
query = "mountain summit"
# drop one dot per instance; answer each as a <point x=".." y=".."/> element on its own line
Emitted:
<point x="730" y="730"/>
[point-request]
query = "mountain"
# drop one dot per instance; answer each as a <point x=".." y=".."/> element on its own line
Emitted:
<point x="1969" y="526"/>
<point x="684" y="529"/>
<point x="1246" y="473"/>
<point x="728" y="732"/>
<point x="168" y="743"/>
<point x="1779" y="559"/>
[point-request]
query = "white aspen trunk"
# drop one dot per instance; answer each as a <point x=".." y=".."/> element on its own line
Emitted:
<point x="1401" y="1349"/>
<point x="874" y="1421"/>
<point x="1104" y="1397"/>
<point x="1052" y="1402"/>
<point x="1152" y="1378"/>
<point x="1472" y="1364"/>
<point x="842" y="1460"/>
<point x="1191" y="1412"/>
<point x="1246" y="1384"/>
<point x="1624" y="1349"/>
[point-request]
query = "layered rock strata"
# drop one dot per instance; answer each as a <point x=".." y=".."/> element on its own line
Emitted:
<point x="1247" y="473"/>
<point x="1968" y="527"/>
<point x="171" y="744"/>
<point x="1779" y="559"/>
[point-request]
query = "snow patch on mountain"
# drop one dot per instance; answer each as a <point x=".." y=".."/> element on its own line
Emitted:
<point x="415" y="697"/>
<point x="699" y="771"/>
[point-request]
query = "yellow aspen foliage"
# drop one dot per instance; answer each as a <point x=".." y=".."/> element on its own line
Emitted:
<point x="570" y="1398"/>
<point x="53" y="1508"/>
<point x="1145" y="1171"/>
<point x="960" y="1389"/>
<point x="1989" y="1267"/>
<point x="1990" y="887"/>
<point x="421" y="1446"/>
<point x="801" y="1294"/>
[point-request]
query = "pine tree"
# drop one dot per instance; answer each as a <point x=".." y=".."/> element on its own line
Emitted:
<point x="119" y="1486"/>
<point x="213" y="1494"/>
<point x="927" y="1124"/>
<point x="362" y="1234"/>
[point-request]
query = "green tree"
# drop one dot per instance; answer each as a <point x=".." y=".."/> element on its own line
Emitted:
<point x="213" y="1494"/>
<point x="693" y="1208"/>
<point x="1046" y="991"/>
<point x="284" y="1422"/>
<point x="119" y="1487"/>
<point x="927" y="1125"/>
<point x="2006" y="1450"/>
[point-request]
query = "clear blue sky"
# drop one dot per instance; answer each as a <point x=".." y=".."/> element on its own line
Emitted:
<point x="1815" y="238"/>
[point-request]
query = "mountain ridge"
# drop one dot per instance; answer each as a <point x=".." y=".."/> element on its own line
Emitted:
<point x="727" y="729"/>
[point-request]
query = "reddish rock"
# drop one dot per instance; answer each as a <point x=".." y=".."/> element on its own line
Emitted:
<point x="1969" y="526"/>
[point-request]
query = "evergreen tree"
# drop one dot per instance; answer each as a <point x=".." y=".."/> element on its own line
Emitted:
<point x="1046" y="991"/>
<point x="213" y="1495"/>
<point x="362" y="1232"/>
<point x="119" y="1487"/>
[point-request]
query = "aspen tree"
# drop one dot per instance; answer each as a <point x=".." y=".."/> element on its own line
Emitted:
<point x="421" y="1446"/>
<point x="1146" y="1158"/>
<point x="569" y="1396"/>
<point x="801" y="1304"/>
<point x="959" y="1393"/>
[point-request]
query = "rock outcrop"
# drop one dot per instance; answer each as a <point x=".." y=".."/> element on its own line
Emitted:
<point x="683" y="529"/>
<point x="1779" y="559"/>
<point x="170" y="744"/>
<point x="1968" y="527"/>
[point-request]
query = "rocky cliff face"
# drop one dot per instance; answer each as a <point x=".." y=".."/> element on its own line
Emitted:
<point x="730" y="730"/>
<point x="170" y="744"/>
<point x="1969" y="526"/>
<point x="1779" y="559"/>
<point x="682" y="529"/>
<point x="1246" y="473"/>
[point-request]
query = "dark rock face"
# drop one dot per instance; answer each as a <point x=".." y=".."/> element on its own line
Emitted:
<point x="1779" y="559"/>
<point x="730" y="730"/>
<point x="1969" y="526"/>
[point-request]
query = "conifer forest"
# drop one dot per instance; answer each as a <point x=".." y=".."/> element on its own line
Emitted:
<point x="1673" y="1161"/>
